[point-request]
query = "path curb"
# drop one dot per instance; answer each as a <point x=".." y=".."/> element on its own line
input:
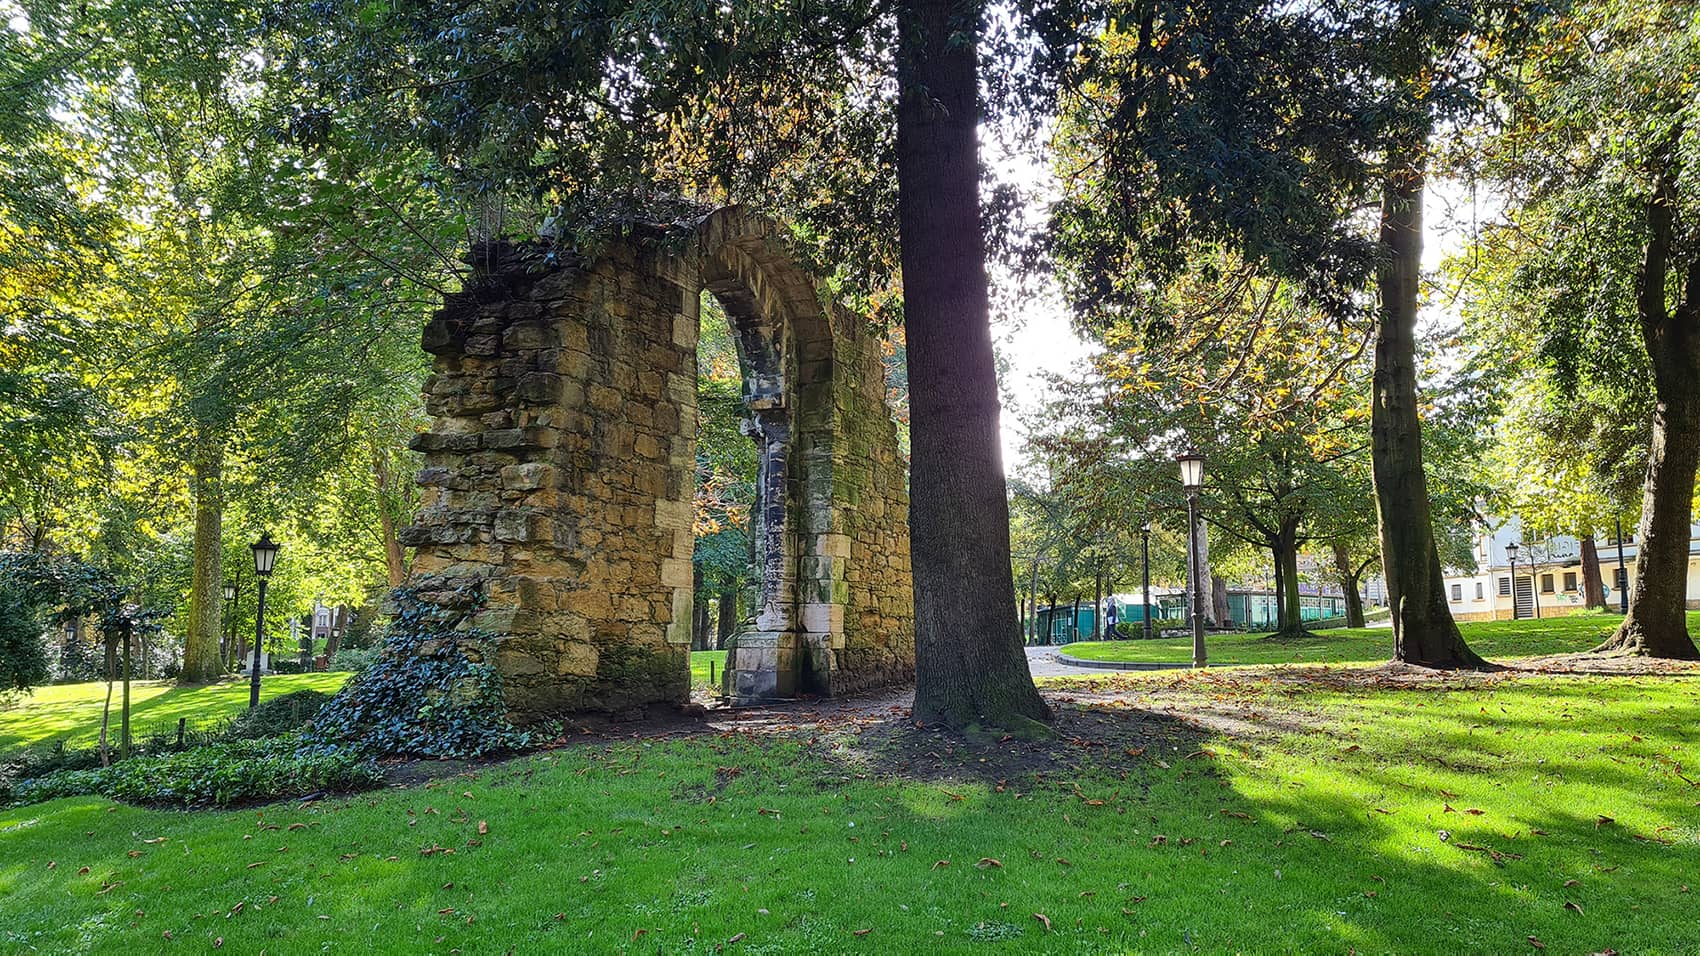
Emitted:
<point x="1121" y="665"/>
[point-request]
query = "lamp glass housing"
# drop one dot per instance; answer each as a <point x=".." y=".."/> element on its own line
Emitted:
<point x="1192" y="470"/>
<point x="265" y="554"/>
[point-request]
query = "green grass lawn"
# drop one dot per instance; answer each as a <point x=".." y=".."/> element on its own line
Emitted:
<point x="1491" y="639"/>
<point x="1369" y="818"/>
<point x="699" y="666"/>
<point x="71" y="712"/>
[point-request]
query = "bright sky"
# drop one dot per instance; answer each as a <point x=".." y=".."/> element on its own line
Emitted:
<point x="1032" y="332"/>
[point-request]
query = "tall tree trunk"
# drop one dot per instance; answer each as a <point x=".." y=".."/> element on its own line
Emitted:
<point x="1657" y="624"/>
<point x="1219" y="600"/>
<point x="1349" y="585"/>
<point x="1202" y="537"/>
<point x="1423" y="630"/>
<point x="201" y="662"/>
<point x="1098" y="605"/>
<point x="1286" y="551"/>
<point x="969" y="666"/>
<point x="1593" y="586"/>
<point x="1280" y="587"/>
<point x="728" y="616"/>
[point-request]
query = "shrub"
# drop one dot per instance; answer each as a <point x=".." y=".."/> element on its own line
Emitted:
<point x="278" y="716"/>
<point x="430" y="693"/>
<point x="216" y="776"/>
<point x="354" y="659"/>
<point x="23" y="653"/>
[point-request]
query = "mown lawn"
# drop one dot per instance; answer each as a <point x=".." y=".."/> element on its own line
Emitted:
<point x="1536" y="810"/>
<point x="1491" y="639"/>
<point x="699" y="666"/>
<point x="71" y="712"/>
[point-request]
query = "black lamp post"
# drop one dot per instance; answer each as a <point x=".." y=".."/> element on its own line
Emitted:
<point x="1145" y="561"/>
<point x="1192" y="481"/>
<point x="1511" y="555"/>
<point x="265" y="555"/>
<point x="1622" y="572"/>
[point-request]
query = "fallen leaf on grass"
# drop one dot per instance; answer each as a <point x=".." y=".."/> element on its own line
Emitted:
<point x="483" y="828"/>
<point x="861" y="932"/>
<point x="1472" y="811"/>
<point x="1041" y="917"/>
<point x="252" y="865"/>
<point x="1536" y="942"/>
<point x="1237" y="815"/>
<point x="157" y="840"/>
<point x="1603" y="821"/>
<point x="939" y="864"/>
<point x="987" y="863"/>
<point x="1573" y="907"/>
<point x="1570" y="883"/>
<point x="736" y="939"/>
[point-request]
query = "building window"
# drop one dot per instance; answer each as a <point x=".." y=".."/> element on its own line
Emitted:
<point x="1457" y="592"/>
<point x="1570" y="580"/>
<point x="1546" y="584"/>
<point x="1504" y="587"/>
<point x="1478" y="590"/>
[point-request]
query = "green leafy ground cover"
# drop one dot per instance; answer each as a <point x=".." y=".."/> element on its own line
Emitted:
<point x="1491" y="639"/>
<point x="1343" y="811"/>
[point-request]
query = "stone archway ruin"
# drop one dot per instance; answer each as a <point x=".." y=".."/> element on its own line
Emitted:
<point x="560" y="470"/>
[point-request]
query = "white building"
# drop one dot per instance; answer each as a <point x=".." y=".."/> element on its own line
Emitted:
<point x="1548" y="575"/>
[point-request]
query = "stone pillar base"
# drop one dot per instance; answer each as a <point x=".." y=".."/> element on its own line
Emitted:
<point x="761" y="666"/>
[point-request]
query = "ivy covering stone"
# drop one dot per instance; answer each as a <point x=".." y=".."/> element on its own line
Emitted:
<point x="433" y="691"/>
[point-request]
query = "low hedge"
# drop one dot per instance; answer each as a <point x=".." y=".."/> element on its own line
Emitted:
<point x="216" y="776"/>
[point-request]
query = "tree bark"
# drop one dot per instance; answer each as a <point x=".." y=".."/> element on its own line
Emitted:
<point x="1423" y="630"/>
<point x="395" y="559"/>
<point x="1593" y="586"/>
<point x="1349" y="585"/>
<point x="728" y="616"/>
<point x="1219" y="600"/>
<point x="201" y="663"/>
<point x="969" y="665"/>
<point x="1285" y="548"/>
<point x="1657" y="623"/>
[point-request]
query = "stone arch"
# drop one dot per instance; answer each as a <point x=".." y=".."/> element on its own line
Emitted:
<point x="560" y="470"/>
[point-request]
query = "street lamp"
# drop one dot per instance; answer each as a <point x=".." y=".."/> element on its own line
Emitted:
<point x="1511" y="555"/>
<point x="1622" y="572"/>
<point x="265" y="555"/>
<point x="1192" y="481"/>
<point x="1145" y="560"/>
<point x="229" y="635"/>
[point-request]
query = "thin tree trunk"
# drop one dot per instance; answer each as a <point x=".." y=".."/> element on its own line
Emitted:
<point x="1219" y="600"/>
<point x="106" y="708"/>
<point x="1593" y="586"/>
<point x="969" y="666"/>
<point x="201" y="663"/>
<point x="1423" y="630"/>
<point x="1280" y="587"/>
<point x="1349" y="585"/>
<point x="395" y="560"/>
<point x="728" y="616"/>
<point x="1286" y="551"/>
<point x="129" y="637"/>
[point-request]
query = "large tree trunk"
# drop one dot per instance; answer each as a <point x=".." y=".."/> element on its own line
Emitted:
<point x="1657" y="624"/>
<point x="1280" y="588"/>
<point x="1423" y="630"/>
<point x="969" y="665"/>
<point x="201" y="662"/>
<point x="1593" y="586"/>
<point x="1349" y="585"/>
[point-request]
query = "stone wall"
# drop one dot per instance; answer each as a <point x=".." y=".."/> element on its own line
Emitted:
<point x="560" y="463"/>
